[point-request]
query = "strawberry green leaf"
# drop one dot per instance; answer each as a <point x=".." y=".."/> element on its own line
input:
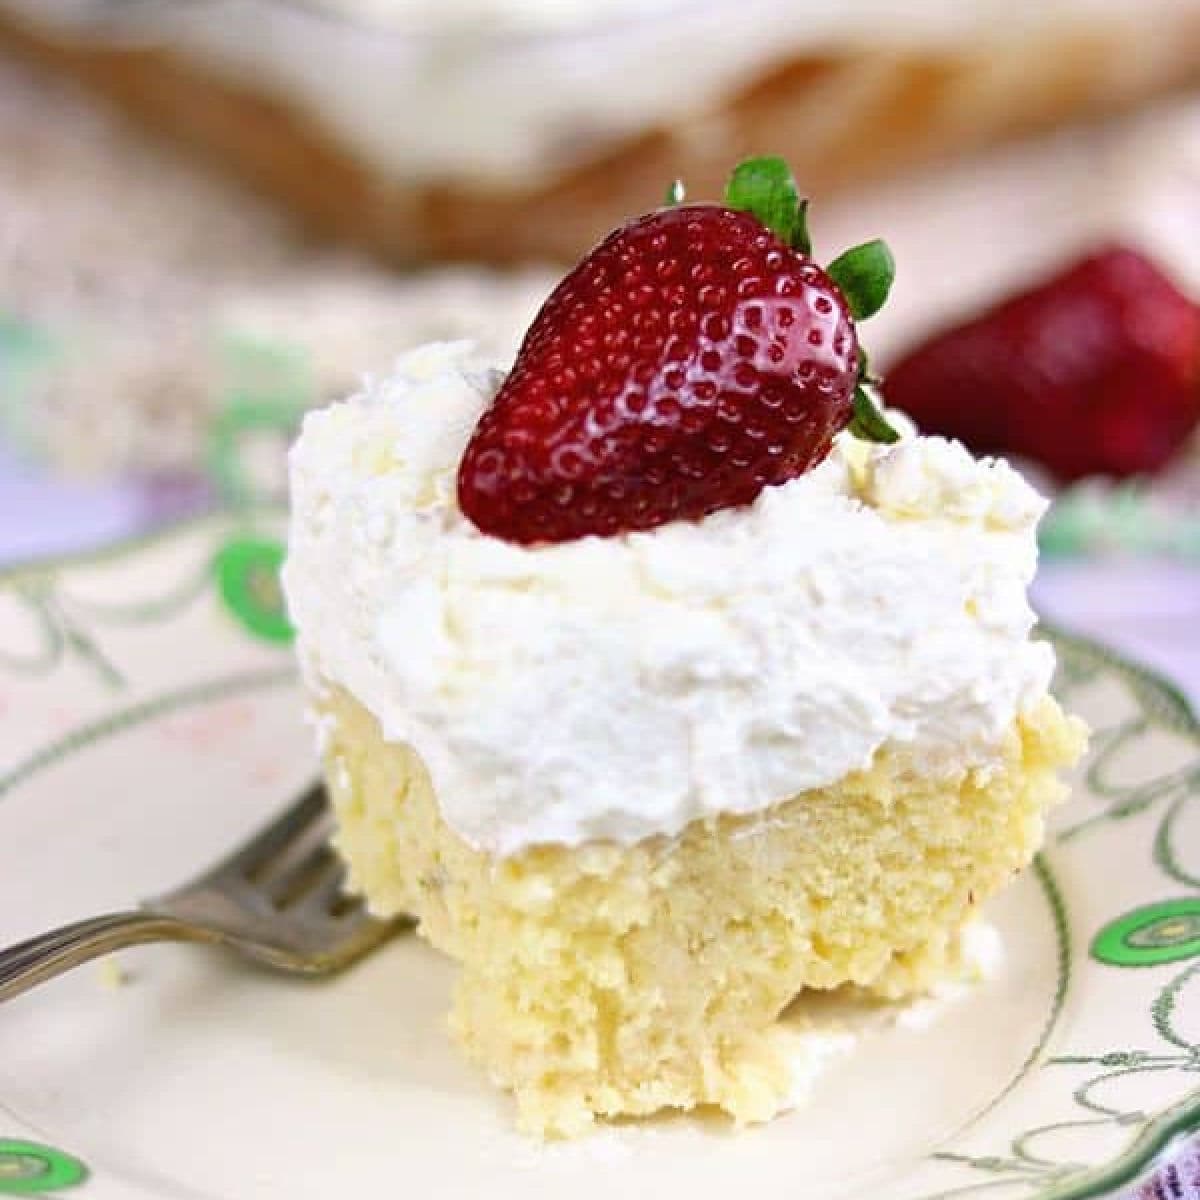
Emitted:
<point x="868" y="421"/>
<point x="675" y="193"/>
<point x="864" y="275"/>
<point x="765" y="188"/>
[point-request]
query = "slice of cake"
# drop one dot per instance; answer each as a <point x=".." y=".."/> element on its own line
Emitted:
<point x="660" y="679"/>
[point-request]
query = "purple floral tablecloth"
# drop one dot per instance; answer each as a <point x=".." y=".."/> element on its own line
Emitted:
<point x="1179" y="1179"/>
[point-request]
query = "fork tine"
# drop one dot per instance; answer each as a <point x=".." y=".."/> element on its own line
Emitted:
<point x="277" y="898"/>
<point x="289" y="889"/>
<point x="277" y="876"/>
<point x="328" y="896"/>
<point x="265" y="848"/>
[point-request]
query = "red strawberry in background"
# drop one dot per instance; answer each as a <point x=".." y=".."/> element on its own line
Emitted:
<point x="695" y="357"/>
<point x="1095" y="371"/>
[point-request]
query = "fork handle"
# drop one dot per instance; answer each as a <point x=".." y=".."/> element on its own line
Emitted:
<point x="40" y="958"/>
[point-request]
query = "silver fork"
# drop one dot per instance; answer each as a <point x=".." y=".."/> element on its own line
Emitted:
<point x="278" y="900"/>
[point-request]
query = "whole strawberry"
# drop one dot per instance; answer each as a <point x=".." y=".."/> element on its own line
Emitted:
<point x="695" y="357"/>
<point x="1093" y="372"/>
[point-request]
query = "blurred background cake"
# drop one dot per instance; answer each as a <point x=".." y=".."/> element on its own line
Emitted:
<point x="507" y="129"/>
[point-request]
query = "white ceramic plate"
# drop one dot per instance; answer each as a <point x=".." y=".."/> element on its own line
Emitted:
<point x="149" y="719"/>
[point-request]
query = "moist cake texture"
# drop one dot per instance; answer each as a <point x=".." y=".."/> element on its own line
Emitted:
<point x="611" y="980"/>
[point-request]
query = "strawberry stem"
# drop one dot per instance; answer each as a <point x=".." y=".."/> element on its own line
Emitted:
<point x="676" y="193"/>
<point x="764" y="187"/>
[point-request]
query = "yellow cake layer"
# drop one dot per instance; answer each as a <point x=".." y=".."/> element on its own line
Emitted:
<point x="613" y="980"/>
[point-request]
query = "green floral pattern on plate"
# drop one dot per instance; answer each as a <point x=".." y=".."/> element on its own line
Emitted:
<point x="31" y="1169"/>
<point x="247" y="573"/>
<point x="1159" y="933"/>
<point x="1151" y="935"/>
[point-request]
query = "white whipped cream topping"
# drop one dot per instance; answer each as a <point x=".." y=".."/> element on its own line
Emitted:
<point x="613" y="688"/>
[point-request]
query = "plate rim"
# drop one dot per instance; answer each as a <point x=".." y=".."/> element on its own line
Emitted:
<point x="1175" y="1124"/>
<point x="1144" y="1154"/>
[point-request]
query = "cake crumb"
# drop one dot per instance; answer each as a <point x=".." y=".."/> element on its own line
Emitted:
<point x="112" y="974"/>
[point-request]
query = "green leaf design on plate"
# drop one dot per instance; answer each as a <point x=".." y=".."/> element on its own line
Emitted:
<point x="29" y="1169"/>
<point x="1147" y="937"/>
<point x="247" y="573"/>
